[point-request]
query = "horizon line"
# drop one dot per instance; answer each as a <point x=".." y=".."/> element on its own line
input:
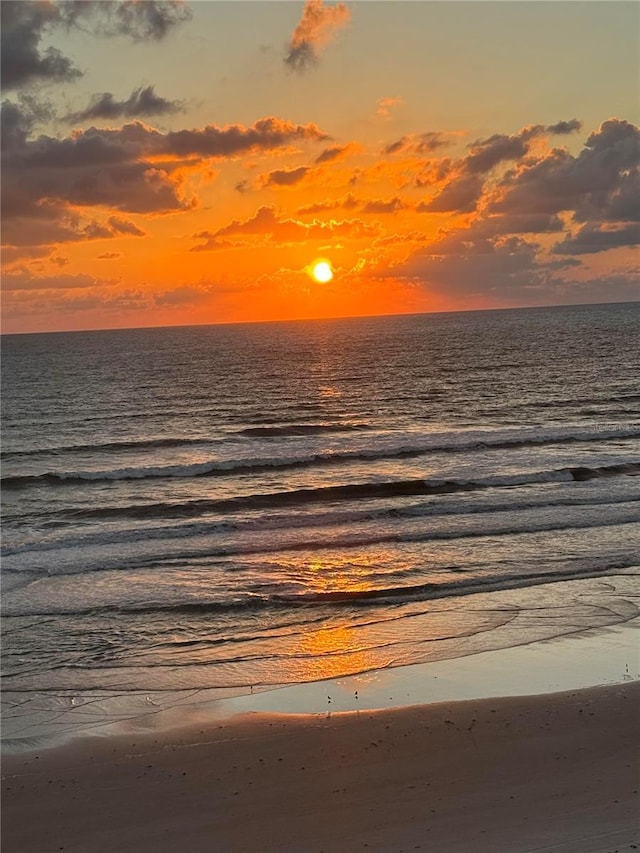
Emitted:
<point x="317" y="319"/>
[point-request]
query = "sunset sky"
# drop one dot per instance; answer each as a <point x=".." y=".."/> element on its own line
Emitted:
<point x="169" y="163"/>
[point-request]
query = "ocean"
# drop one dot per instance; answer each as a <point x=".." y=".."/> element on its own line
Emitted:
<point x="209" y="511"/>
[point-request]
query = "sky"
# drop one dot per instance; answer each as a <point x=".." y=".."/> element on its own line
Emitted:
<point x="171" y="163"/>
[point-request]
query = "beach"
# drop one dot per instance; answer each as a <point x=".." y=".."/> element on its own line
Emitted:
<point x="526" y="749"/>
<point x="543" y="773"/>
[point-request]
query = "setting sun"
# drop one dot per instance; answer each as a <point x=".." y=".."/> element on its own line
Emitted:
<point x="322" y="271"/>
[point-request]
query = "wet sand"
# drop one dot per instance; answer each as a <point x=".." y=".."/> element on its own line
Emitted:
<point x="543" y="773"/>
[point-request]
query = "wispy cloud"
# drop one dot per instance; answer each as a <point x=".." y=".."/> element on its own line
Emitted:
<point x="315" y="29"/>
<point x="384" y="106"/>
<point x="141" y="103"/>
<point x="21" y="280"/>
<point x="351" y="202"/>
<point x="419" y="143"/>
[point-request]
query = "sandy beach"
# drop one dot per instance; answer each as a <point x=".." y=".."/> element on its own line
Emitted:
<point x="542" y="773"/>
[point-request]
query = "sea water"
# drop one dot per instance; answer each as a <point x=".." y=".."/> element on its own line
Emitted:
<point x="214" y="510"/>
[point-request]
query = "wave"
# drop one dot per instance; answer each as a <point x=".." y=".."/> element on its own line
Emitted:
<point x="228" y="467"/>
<point x="146" y="444"/>
<point x="352" y="492"/>
<point x="301" y="429"/>
<point x="350" y="598"/>
<point x="276" y="522"/>
<point x="224" y="540"/>
<point x="282" y="431"/>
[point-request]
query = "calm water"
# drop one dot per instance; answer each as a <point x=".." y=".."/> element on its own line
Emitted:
<point x="226" y="508"/>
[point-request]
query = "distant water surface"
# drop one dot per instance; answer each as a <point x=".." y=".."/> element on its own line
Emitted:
<point x="225" y="508"/>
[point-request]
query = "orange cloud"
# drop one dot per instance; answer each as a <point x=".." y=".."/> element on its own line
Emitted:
<point x="337" y="152"/>
<point x="315" y="29"/>
<point x="267" y="223"/>
<point x="385" y="105"/>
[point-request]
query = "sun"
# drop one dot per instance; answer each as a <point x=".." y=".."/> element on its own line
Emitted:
<point x="321" y="271"/>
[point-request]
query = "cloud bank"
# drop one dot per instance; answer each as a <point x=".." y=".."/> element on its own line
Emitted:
<point x="134" y="169"/>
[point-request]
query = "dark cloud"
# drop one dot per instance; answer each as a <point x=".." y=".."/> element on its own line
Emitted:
<point x="150" y="20"/>
<point x="459" y="266"/>
<point x="586" y="183"/>
<point x="418" y="143"/>
<point x="301" y="57"/>
<point x="594" y="238"/>
<point x="53" y="223"/>
<point x="184" y="294"/>
<point x="22" y="61"/>
<point x="136" y="187"/>
<point x="264" y="221"/>
<point x="487" y="153"/>
<point x="314" y="30"/>
<point x="347" y="202"/>
<point x="477" y="267"/>
<point x="141" y="102"/>
<point x="393" y="205"/>
<point x="394" y="239"/>
<point x="520" y="223"/>
<point x="108" y="166"/>
<point x="26" y="22"/>
<point x="284" y="177"/>
<point x="563" y="127"/>
<point x="460" y="195"/>
<point x="117" y="168"/>
<point x="507" y="270"/>
<point x="265" y="134"/>
<point x="466" y="185"/>
<point x="351" y="202"/>
<point x="600" y="185"/>
<point x="19" y="119"/>
<point x="435" y="171"/>
<point x="49" y="223"/>
<point x="335" y="152"/>
<point x="622" y="204"/>
<point x="467" y="175"/>
<point x="21" y="280"/>
<point x="129" y="300"/>
<point x="12" y="254"/>
<point x="47" y="302"/>
<point x="125" y="226"/>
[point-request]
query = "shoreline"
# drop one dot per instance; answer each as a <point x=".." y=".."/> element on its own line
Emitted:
<point x="588" y="658"/>
<point x="552" y="771"/>
<point x="542" y="773"/>
<point x="585" y="659"/>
